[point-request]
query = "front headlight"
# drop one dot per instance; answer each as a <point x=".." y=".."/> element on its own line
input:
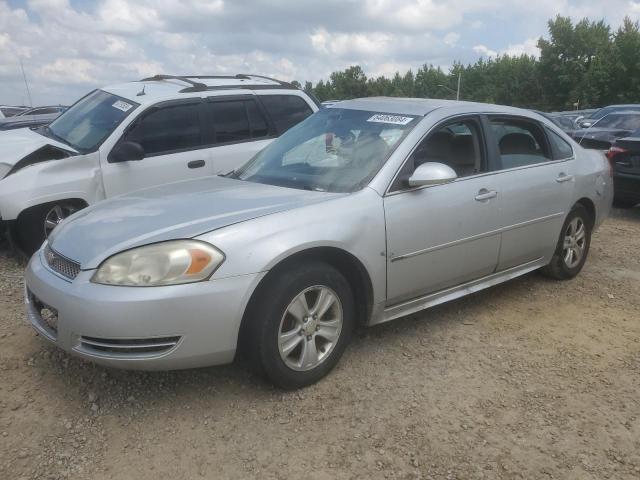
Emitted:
<point x="167" y="263"/>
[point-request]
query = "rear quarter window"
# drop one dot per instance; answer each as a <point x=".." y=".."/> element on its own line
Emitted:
<point x="285" y="111"/>
<point x="560" y="148"/>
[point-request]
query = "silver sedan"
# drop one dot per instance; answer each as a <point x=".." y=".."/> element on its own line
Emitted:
<point x="369" y="210"/>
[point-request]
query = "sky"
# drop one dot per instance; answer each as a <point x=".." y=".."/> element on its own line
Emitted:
<point x="70" y="47"/>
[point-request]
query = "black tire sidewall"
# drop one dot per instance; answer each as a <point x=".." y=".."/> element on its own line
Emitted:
<point x="267" y="315"/>
<point x="31" y="229"/>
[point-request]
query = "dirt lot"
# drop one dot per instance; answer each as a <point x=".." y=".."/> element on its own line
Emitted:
<point x="533" y="379"/>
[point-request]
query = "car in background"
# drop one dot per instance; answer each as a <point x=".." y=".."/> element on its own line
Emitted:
<point x="7" y="111"/>
<point x="32" y="117"/>
<point x="328" y="103"/>
<point x="565" y="122"/>
<point x="136" y="135"/>
<point x="624" y="156"/>
<point x="589" y="121"/>
<point x="369" y="210"/>
<point x="605" y="131"/>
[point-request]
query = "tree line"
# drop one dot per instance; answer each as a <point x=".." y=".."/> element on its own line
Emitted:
<point x="584" y="65"/>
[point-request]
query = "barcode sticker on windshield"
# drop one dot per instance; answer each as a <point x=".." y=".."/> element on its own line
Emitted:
<point x="394" y="119"/>
<point x="124" y="106"/>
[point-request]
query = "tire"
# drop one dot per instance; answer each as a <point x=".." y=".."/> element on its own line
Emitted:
<point x="36" y="223"/>
<point x="563" y="265"/>
<point x="278" y="317"/>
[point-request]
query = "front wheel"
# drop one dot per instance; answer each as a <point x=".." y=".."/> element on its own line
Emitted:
<point x="301" y="324"/>
<point x="36" y="224"/>
<point x="573" y="245"/>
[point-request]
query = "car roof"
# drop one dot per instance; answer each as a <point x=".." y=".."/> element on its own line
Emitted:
<point x="164" y="87"/>
<point x="422" y="106"/>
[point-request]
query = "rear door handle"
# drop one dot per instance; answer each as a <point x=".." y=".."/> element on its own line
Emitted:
<point x="485" y="194"/>
<point x="563" y="177"/>
<point x="196" y="164"/>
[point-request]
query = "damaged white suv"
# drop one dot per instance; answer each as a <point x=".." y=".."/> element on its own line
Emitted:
<point x="135" y="135"/>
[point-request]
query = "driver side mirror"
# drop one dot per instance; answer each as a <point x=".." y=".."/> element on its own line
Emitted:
<point x="126" y="152"/>
<point x="431" y="173"/>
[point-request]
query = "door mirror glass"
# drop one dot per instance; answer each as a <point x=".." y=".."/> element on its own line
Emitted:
<point x="126" y="152"/>
<point x="431" y="173"/>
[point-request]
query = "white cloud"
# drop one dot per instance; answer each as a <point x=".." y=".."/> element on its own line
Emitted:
<point x="71" y="47"/>
<point x="451" y="39"/>
<point x="484" y="51"/>
<point x="528" y="47"/>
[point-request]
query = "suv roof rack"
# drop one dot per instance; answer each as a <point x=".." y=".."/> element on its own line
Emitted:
<point x="199" y="86"/>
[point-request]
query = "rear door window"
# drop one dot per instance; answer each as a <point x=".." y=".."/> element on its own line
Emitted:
<point x="520" y="142"/>
<point x="285" y="110"/>
<point x="237" y="120"/>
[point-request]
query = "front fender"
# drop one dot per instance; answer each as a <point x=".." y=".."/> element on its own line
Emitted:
<point x="72" y="177"/>
<point x="354" y="224"/>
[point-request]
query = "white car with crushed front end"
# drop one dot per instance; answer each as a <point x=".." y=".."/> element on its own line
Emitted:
<point x="136" y="135"/>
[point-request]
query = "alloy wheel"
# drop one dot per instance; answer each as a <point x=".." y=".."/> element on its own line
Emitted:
<point x="56" y="215"/>
<point x="574" y="242"/>
<point x="310" y="328"/>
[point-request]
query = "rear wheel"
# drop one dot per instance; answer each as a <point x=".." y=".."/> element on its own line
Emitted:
<point x="300" y="324"/>
<point x="36" y="224"/>
<point x="573" y="245"/>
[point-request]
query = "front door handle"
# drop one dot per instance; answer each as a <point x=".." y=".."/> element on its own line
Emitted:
<point x="563" y="177"/>
<point x="196" y="164"/>
<point x="485" y="194"/>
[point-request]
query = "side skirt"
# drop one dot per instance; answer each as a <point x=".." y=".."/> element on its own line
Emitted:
<point x="442" y="296"/>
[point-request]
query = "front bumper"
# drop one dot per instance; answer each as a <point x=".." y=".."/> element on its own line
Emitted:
<point x="148" y="328"/>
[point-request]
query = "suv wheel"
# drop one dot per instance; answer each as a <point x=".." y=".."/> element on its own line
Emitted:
<point x="37" y="223"/>
<point x="301" y="324"/>
<point x="573" y="245"/>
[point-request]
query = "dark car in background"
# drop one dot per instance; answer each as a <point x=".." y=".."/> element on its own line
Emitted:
<point x="608" y="129"/>
<point x="589" y="121"/>
<point x="624" y="156"/>
<point x="33" y="117"/>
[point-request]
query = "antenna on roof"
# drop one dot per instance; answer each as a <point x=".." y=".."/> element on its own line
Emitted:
<point x="141" y="92"/>
<point x="26" y="84"/>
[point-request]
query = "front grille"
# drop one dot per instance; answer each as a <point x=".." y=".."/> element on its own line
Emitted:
<point x="44" y="315"/>
<point x="62" y="265"/>
<point x="129" y="346"/>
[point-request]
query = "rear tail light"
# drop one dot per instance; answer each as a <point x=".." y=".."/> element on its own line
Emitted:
<point x="611" y="155"/>
<point x="613" y="151"/>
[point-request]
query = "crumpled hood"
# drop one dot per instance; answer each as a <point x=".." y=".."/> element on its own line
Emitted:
<point x="17" y="144"/>
<point x="178" y="210"/>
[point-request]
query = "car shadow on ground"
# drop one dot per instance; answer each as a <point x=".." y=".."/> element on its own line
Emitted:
<point x="627" y="213"/>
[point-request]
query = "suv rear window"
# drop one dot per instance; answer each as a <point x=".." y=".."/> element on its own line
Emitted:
<point x="285" y="110"/>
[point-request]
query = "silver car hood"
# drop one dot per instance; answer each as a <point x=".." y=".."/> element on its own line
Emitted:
<point x="178" y="210"/>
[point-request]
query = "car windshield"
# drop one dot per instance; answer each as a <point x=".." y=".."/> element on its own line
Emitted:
<point x="334" y="150"/>
<point x="623" y="121"/>
<point x="90" y="121"/>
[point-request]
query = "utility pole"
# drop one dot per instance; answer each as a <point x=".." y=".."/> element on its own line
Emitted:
<point x="24" y="77"/>
<point x="458" y="92"/>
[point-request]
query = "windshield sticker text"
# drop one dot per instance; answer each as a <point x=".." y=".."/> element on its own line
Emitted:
<point x="124" y="106"/>
<point x="393" y="119"/>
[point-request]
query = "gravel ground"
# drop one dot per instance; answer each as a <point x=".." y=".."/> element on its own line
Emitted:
<point x="532" y="379"/>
